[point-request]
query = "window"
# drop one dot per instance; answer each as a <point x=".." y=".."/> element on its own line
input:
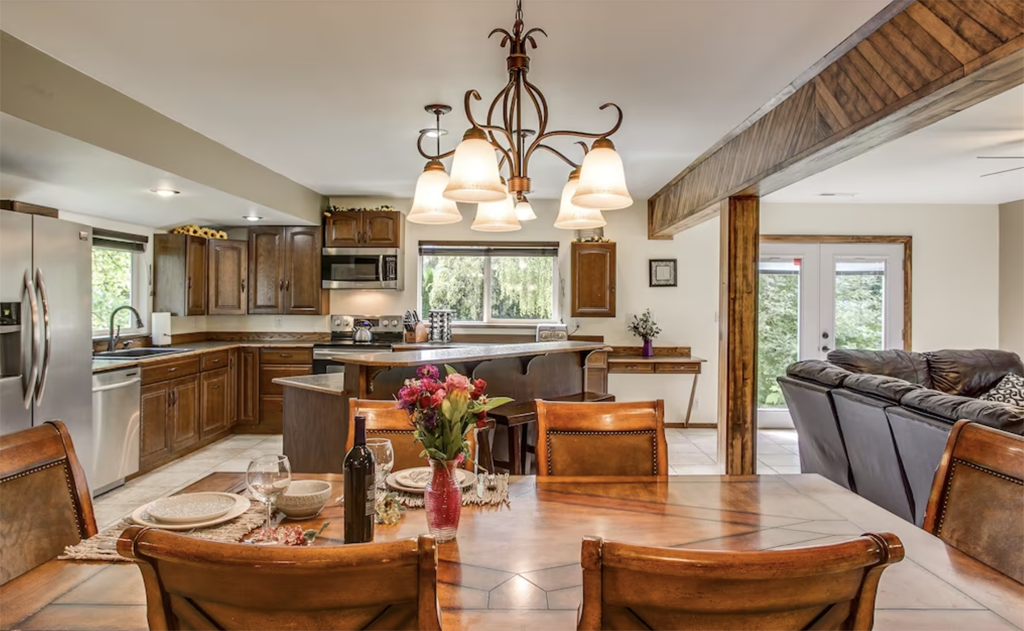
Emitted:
<point x="117" y="280"/>
<point x="490" y="283"/>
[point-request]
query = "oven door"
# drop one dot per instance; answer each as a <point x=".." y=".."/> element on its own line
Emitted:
<point x="361" y="268"/>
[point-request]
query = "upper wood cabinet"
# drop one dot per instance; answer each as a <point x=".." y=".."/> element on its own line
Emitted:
<point x="284" y="271"/>
<point x="593" y="280"/>
<point x="363" y="228"/>
<point x="179" y="279"/>
<point x="228" y="277"/>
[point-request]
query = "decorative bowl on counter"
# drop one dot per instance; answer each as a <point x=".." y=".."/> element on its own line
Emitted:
<point x="304" y="498"/>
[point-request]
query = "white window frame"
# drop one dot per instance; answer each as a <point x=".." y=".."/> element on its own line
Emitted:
<point x="487" y="320"/>
<point x="140" y="298"/>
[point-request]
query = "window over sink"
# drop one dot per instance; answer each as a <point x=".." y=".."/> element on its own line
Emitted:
<point x="118" y="279"/>
<point x="490" y="283"/>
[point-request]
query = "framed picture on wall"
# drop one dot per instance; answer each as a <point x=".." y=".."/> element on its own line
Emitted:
<point x="662" y="272"/>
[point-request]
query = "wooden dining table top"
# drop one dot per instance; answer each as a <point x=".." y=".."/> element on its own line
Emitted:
<point x="518" y="566"/>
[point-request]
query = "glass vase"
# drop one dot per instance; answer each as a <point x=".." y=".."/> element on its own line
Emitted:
<point x="648" y="348"/>
<point x="443" y="500"/>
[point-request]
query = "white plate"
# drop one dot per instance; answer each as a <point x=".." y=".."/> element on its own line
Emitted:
<point x="415" y="480"/>
<point x="190" y="508"/>
<point x="141" y="516"/>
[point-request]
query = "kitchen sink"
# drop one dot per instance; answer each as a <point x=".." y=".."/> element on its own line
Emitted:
<point x="138" y="353"/>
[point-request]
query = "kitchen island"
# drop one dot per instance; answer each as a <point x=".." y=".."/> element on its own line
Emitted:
<point x="316" y="406"/>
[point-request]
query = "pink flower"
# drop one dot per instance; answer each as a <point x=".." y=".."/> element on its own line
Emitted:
<point x="437" y="398"/>
<point x="409" y="394"/>
<point x="458" y="382"/>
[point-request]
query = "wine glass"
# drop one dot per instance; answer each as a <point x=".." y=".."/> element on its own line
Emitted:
<point x="384" y="458"/>
<point x="268" y="476"/>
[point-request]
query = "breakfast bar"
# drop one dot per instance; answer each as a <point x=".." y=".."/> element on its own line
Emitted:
<point x="315" y="417"/>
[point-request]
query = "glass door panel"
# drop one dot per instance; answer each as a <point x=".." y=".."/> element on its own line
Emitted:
<point x="860" y="304"/>
<point x="778" y="327"/>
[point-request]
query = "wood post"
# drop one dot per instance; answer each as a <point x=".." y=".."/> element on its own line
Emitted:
<point x="737" y="339"/>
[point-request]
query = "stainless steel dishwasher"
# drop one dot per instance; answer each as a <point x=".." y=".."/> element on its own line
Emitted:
<point x="115" y="427"/>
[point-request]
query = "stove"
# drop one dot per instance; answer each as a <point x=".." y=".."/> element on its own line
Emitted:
<point x="386" y="330"/>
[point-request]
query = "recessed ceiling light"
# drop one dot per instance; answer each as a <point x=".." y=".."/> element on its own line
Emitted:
<point x="837" y="194"/>
<point x="434" y="132"/>
<point x="251" y="217"/>
<point x="165" y="192"/>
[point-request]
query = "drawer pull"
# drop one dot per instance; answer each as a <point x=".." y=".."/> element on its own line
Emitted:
<point x="216" y="387"/>
<point x="216" y="361"/>
<point x="172" y="369"/>
<point x="284" y="354"/>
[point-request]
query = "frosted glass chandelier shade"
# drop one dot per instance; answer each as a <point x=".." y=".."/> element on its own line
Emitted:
<point x="496" y="216"/>
<point x="602" y="179"/>
<point x="475" y="175"/>
<point x="524" y="212"/>
<point x="571" y="216"/>
<point x="428" y="207"/>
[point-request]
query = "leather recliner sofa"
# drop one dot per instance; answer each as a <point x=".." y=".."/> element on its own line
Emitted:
<point x="876" y="422"/>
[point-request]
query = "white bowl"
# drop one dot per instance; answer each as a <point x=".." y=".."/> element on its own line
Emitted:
<point x="304" y="498"/>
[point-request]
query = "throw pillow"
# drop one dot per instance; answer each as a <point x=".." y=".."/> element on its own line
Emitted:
<point x="1010" y="389"/>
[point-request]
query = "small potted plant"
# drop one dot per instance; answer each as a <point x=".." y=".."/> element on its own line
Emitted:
<point x="647" y="329"/>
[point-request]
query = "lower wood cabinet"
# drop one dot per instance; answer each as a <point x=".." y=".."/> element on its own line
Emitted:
<point x="248" y="386"/>
<point x="184" y="412"/>
<point x="213" y="415"/>
<point x="279" y="362"/>
<point x="154" y="435"/>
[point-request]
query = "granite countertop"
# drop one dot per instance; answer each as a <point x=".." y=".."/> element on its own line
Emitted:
<point x="330" y="383"/>
<point x="473" y="352"/>
<point x="102" y="364"/>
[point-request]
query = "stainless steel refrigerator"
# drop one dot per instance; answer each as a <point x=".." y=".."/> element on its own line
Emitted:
<point x="46" y="326"/>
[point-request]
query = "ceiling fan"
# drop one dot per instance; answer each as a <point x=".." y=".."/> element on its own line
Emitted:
<point x="1002" y="158"/>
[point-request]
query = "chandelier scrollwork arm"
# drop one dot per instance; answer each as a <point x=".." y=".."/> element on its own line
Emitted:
<point x="578" y="134"/>
<point x="429" y="156"/>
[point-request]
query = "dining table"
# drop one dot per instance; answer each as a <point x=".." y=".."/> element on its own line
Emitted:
<point x="517" y="565"/>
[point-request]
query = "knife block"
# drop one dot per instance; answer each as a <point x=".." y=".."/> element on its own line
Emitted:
<point x="419" y="336"/>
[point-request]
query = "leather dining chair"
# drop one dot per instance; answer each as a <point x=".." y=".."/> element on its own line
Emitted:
<point x="385" y="420"/>
<point x="195" y="584"/>
<point x="46" y="499"/>
<point x="818" y="587"/>
<point x="601" y="439"/>
<point x="977" y="498"/>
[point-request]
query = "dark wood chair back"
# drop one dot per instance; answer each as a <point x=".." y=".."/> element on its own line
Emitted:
<point x="46" y="499"/>
<point x="818" y="587"/>
<point x="601" y="439"/>
<point x="195" y="584"/>
<point x="384" y="420"/>
<point x="977" y="499"/>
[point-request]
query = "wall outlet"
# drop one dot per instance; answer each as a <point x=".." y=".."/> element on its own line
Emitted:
<point x="278" y="322"/>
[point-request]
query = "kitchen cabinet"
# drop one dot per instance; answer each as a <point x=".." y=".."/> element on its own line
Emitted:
<point x="179" y="279"/>
<point x="232" y="387"/>
<point x="228" y="274"/>
<point x="284" y="271"/>
<point x="184" y="412"/>
<point x="248" y="386"/>
<point x="279" y="362"/>
<point x="363" y="228"/>
<point x="593" y="280"/>
<point x="155" y="444"/>
<point x="213" y="414"/>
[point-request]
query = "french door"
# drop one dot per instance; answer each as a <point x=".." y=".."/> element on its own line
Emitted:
<point x="815" y="297"/>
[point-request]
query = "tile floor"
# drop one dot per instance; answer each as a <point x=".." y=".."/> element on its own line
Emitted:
<point x="690" y="452"/>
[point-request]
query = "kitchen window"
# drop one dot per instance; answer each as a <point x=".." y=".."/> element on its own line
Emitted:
<point x="118" y="278"/>
<point x="490" y="283"/>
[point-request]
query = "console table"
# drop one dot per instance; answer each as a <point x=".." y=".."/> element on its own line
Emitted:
<point x="673" y="360"/>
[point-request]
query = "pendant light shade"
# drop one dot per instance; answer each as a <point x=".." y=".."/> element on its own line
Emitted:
<point x="428" y="207"/>
<point x="475" y="176"/>
<point x="524" y="212"/>
<point x="497" y="216"/>
<point x="571" y="216"/>
<point x="602" y="179"/>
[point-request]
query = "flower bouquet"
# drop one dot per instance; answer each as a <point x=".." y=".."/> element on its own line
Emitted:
<point x="647" y="329"/>
<point x="443" y="412"/>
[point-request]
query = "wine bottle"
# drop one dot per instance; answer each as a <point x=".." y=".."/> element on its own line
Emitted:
<point x="360" y="488"/>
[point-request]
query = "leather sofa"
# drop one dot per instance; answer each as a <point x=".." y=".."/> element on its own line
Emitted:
<point x="876" y="422"/>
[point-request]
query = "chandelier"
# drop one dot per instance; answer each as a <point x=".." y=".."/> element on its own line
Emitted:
<point x="504" y="145"/>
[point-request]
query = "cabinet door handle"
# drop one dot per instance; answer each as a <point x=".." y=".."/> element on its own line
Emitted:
<point x="190" y="282"/>
<point x="216" y="387"/>
<point x="243" y="285"/>
<point x="287" y="285"/>
<point x="174" y="398"/>
<point x="280" y="285"/>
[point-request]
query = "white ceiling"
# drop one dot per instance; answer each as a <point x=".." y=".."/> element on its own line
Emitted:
<point x="43" y="167"/>
<point x="935" y="165"/>
<point x="330" y="94"/>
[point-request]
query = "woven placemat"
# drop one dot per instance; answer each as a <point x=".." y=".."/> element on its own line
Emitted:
<point x="470" y="497"/>
<point x="103" y="546"/>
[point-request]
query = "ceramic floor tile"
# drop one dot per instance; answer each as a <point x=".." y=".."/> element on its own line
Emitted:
<point x="109" y="514"/>
<point x="929" y="620"/>
<point x="765" y="469"/>
<point x="118" y="584"/>
<point x="237" y="465"/>
<point x="694" y="470"/>
<point x="168" y="478"/>
<point x="772" y="449"/>
<point x="786" y="469"/>
<point x="683" y="447"/>
<point x="677" y="458"/>
<point x="134" y="494"/>
<point x="788" y="460"/>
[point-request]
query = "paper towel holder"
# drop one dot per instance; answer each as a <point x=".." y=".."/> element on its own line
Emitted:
<point x="161" y="328"/>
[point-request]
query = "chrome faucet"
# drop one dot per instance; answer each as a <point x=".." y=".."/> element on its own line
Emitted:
<point x="114" y="337"/>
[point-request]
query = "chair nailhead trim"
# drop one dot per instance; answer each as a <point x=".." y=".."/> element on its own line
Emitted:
<point x="654" y="443"/>
<point x="949" y="485"/>
<point x="67" y="480"/>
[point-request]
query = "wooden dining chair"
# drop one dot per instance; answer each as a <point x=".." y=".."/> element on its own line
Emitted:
<point x="46" y="499"/>
<point x="818" y="587"/>
<point x="196" y="584"/>
<point x="977" y="498"/>
<point x="385" y="420"/>
<point x="601" y="439"/>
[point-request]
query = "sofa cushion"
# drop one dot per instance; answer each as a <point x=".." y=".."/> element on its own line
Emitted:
<point x="888" y="388"/>
<point x="1010" y="389"/>
<point x="1008" y="418"/>
<point x="818" y="371"/>
<point x="905" y="365"/>
<point x="972" y="372"/>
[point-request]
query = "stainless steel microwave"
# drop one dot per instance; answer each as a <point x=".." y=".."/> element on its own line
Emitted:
<point x="362" y="268"/>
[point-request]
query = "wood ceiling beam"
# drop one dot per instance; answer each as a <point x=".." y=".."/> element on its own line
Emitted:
<point x="913" y="64"/>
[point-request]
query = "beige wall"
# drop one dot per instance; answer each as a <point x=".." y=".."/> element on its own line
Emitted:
<point x="1011" y="277"/>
